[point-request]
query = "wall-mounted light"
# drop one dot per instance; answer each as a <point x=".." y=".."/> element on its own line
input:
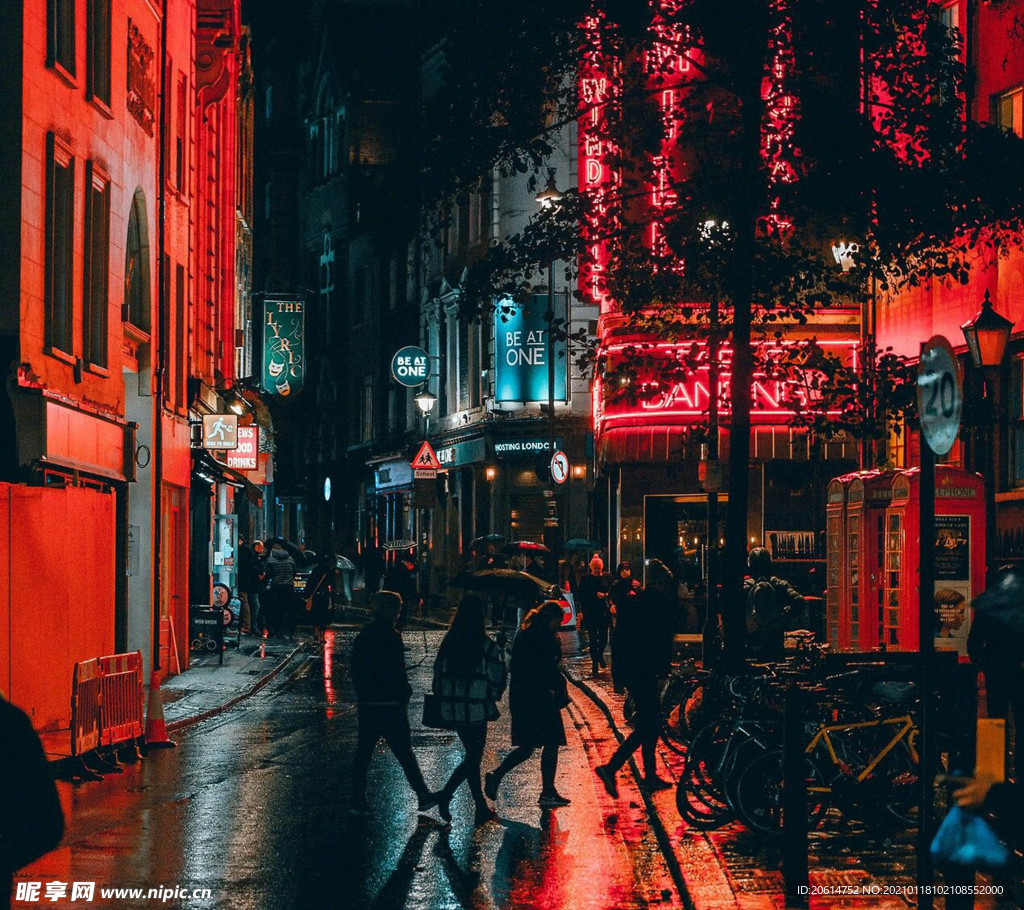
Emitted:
<point x="579" y="471"/>
<point x="490" y="472"/>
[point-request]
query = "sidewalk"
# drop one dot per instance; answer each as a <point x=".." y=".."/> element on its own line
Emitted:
<point x="730" y="867"/>
<point x="206" y="688"/>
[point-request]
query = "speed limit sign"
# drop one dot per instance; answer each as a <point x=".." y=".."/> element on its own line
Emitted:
<point x="940" y="395"/>
<point x="559" y="467"/>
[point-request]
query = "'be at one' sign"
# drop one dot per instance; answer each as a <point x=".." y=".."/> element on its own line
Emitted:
<point x="410" y="366"/>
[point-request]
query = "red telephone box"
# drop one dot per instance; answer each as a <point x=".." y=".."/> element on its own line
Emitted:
<point x="836" y="595"/>
<point x="855" y="519"/>
<point x="959" y="558"/>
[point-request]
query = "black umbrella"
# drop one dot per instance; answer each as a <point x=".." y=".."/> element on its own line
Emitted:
<point x="1003" y="604"/>
<point x="399" y="545"/>
<point x="580" y="544"/>
<point x="504" y="581"/>
<point x="483" y="541"/>
<point x="292" y="549"/>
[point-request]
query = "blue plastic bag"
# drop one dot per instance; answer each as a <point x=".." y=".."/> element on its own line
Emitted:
<point x="967" y="840"/>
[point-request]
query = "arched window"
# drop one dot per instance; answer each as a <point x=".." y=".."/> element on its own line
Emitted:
<point x="136" y="267"/>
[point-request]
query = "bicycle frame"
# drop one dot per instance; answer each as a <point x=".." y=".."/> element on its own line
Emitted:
<point x="906" y="731"/>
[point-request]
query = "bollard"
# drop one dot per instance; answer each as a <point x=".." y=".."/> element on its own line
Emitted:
<point x="795" y="870"/>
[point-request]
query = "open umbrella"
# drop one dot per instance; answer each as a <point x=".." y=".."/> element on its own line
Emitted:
<point x="504" y="581"/>
<point x="399" y="545"/>
<point x="344" y="564"/>
<point x="525" y="546"/>
<point x="1002" y="605"/>
<point x="481" y="542"/>
<point x="581" y="545"/>
<point x="292" y="549"/>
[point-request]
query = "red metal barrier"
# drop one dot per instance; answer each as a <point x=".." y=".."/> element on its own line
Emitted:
<point x="121" y="698"/>
<point x="85" y="707"/>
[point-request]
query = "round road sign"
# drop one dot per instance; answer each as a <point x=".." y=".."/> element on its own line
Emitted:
<point x="940" y="395"/>
<point x="410" y="366"/>
<point x="559" y="467"/>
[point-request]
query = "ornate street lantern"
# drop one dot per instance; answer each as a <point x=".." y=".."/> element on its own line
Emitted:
<point x="987" y="335"/>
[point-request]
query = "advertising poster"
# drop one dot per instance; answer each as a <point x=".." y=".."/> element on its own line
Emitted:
<point x="952" y="582"/>
<point x="521" y="350"/>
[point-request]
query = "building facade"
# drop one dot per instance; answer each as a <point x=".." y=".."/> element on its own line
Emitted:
<point x="99" y="227"/>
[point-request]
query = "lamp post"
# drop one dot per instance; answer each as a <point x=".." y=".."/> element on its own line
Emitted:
<point x="548" y="199"/>
<point x="425" y="401"/>
<point x="987" y="335"/>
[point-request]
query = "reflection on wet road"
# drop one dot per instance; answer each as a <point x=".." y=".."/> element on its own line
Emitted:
<point x="254" y="806"/>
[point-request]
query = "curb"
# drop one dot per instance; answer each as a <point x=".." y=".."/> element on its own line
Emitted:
<point x="660" y="831"/>
<point x="184" y="722"/>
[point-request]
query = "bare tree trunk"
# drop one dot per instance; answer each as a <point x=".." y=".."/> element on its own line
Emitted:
<point x="734" y="561"/>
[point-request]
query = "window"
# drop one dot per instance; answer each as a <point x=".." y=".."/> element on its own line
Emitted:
<point x="1008" y="111"/>
<point x="60" y="205"/>
<point x="366" y="410"/>
<point x="136" y="269"/>
<point x="180" y="337"/>
<point x="98" y="50"/>
<point x="266" y="200"/>
<point x="1016" y="415"/>
<point x="60" y="39"/>
<point x="180" y="133"/>
<point x="327" y="261"/>
<point x="96" y="297"/>
<point x="268" y="103"/>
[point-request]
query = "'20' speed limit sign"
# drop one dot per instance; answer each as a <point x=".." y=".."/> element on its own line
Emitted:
<point x="940" y="395"/>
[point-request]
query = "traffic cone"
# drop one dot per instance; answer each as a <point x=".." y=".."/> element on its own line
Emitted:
<point x="156" y="728"/>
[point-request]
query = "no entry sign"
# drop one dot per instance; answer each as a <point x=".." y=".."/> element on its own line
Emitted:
<point x="940" y="395"/>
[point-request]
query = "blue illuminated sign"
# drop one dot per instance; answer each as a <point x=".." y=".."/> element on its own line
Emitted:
<point x="521" y="350"/>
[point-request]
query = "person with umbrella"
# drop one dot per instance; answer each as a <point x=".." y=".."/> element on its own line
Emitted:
<point x="318" y="594"/>
<point x="401" y="579"/>
<point x="996" y="648"/>
<point x="537" y="696"/>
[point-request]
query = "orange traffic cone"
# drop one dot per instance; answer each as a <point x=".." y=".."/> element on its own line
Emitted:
<point x="156" y="728"/>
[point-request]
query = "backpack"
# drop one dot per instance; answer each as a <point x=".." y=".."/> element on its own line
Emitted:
<point x="761" y="606"/>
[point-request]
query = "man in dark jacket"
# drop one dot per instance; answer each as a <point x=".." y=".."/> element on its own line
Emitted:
<point x="280" y="569"/>
<point x="771" y="602"/>
<point x="996" y="648"/>
<point x="596" y="609"/>
<point x="382" y="699"/>
<point x="31" y="820"/>
<point x="641" y="658"/>
<point x="248" y="585"/>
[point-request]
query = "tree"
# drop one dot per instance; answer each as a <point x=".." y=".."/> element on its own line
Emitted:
<point x="739" y="142"/>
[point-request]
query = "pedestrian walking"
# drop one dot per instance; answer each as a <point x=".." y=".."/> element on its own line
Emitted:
<point x="469" y="680"/>
<point x="771" y="603"/>
<point x="373" y="569"/>
<point x="318" y="593"/>
<point x="623" y="590"/>
<point x="996" y="648"/>
<point x="641" y="659"/>
<point x="401" y="579"/>
<point x="382" y="691"/>
<point x="31" y="819"/>
<point x="597" y="617"/>
<point x="537" y="695"/>
<point x="280" y="571"/>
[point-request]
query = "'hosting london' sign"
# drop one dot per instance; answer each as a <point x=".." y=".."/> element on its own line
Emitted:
<point x="284" y="346"/>
<point x="521" y="350"/>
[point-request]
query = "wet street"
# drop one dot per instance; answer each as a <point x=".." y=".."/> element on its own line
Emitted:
<point x="254" y="805"/>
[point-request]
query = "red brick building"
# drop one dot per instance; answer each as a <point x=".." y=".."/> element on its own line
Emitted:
<point x="106" y="210"/>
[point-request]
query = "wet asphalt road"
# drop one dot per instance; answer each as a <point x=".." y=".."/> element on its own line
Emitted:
<point x="254" y="806"/>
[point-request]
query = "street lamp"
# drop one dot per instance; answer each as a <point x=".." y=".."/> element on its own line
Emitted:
<point x="425" y="400"/>
<point x="987" y="335"/>
<point x="550" y="196"/>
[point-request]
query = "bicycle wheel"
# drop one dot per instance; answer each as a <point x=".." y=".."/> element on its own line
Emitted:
<point x="759" y="794"/>
<point x="705" y="757"/>
<point x="901" y="798"/>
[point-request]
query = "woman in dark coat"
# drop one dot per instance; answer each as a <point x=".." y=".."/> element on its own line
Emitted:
<point x="318" y="592"/>
<point x="537" y="695"/>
